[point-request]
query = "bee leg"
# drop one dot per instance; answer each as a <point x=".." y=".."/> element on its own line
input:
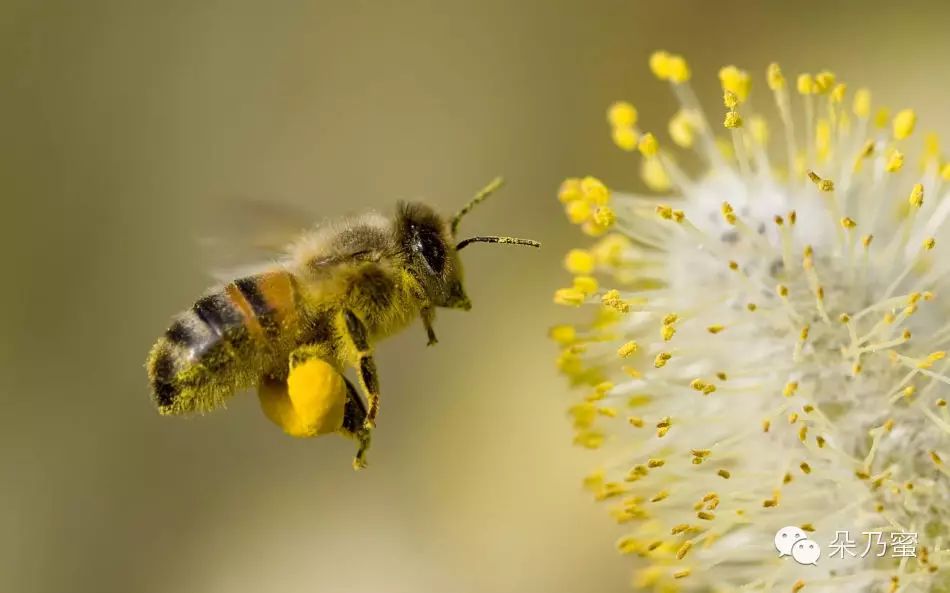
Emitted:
<point x="354" y="415"/>
<point x="428" y="316"/>
<point x="365" y="365"/>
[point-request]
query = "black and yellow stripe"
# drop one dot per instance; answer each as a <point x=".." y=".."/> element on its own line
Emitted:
<point x="220" y="344"/>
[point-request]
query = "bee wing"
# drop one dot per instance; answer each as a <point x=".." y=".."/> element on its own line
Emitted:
<point x="243" y="231"/>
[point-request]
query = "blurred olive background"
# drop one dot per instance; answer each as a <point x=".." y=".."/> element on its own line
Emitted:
<point x="124" y="124"/>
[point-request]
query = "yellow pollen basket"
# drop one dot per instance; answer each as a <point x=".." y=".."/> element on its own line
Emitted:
<point x="311" y="404"/>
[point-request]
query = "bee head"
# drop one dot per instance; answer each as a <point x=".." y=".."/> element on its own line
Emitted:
<point x="426" y="239"/>
<point x="430" y="242"/>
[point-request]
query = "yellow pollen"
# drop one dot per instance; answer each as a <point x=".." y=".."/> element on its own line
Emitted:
<point x="929" y="243"/>
<point x="881" y="117"/>
<point x="825" y="185"/>
<point x="635" y="421"/>
<point x="735" y="81"/>
<point x="586" y="284"/>
<point x="622" y="114"/>
<point x="848" y="223"/>
<point x="563" y="334"/>
<point x="682" y="574"/>
<point x="904" y="123"/>
<point x="798" y="586"/>
<point x="728" y="213"/>
<point x="730" y="100"/>
<point x="724" y="473"/>
<point x="715" y="329"/>
<point x="782" y="290"/>
<point x="838" y="92"/>
<point x="570" y="190"/>
<point x="684" y="549"/>
<point x="820" y="441"/>
<point x="862" y="103"/>
<point x="578" y="211"/>
<point x="806" y="469"/>
<point x="894" y="162"/>
<point x="569" y="296"/>
<point x="661" y="359"/>
<point x="733" y="120"/>
<point x="824" y="81"/>
<point x="624" y="137"/>
<point x="916" y="198"/>
<point x="667" y="332"/>
<point x="805" y="84"/>
<point x="790" y="389"/>
<point x="660" y="496"/>
<point x="866" y="240"/>
<point x="653" y="463"/>
<point x="604" y="217"/>
<point x="705" y="516"/>
<point x="766" y="424"/>
<point x="648" y="145"/>
<point x="627" y="349"/>
<point x="776" y="79"/>
<point x="936" y="458"/>
<point x="579" y="261"/>
<point x="594" y="191"/>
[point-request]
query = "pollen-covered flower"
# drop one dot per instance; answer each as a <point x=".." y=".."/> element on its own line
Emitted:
<point x="766" y="343"/>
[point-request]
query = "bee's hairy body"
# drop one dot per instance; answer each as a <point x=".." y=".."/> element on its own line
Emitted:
<point x="319" y="310"/>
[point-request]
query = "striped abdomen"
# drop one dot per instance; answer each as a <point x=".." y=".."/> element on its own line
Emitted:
<point x="222" y="344"/>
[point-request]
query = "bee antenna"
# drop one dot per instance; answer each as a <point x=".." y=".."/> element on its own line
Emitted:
<point x="495" y="239"/>
<point x="480" y="197"/>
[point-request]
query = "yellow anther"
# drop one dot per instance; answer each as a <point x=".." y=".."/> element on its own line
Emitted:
<point x="798" y="586"/>
<point x="622" y="115"/>
<point x="894" y="161"/>
<point x="904" y="123"/>
<point x="684" y="549"/>
<point x="936" y="458"/>
<point x="715" y="329"/>
<point x="705" y="516"/>
<point x="862" y="103"/>
<point x="648" y="145"/>
<point x="941" y="403"/>
<point x="654" y="175"/>
<point x="781" y="290"/>
<point x="929" y="243"/>
<point x="888" y="425"/>
<point x="792" y="217"/>
<point x="844" y="318"/>
<point x="775" y="77"/>
<point x="563" y="334"/>
<point x="882" y="117"/>
<point x="751" y="307"/>
<point x="803" y="335"/>
<point x="624" y="137"/>
<point x="824" y="81"/>
<point x="585" y="284"/>
<point x="735" y="81"/>
<point x="838" y="92"/>
<point x="730" y="100"/>
<point x="578" y="211"/>
<point x="579" y="261"/>
<point x="670" y="319"/>
<point x="909" y="391"/>
<point x="661" y="495"/>
<point x="793" y="418"/>
<point x="802" y="433"/>
<point x="790" y="389"/>
<point x="659" y="64"/>
<point x="698" y="384"/>
<point x="682" y="129"/>
<point x="931" y="359"/>
<point x="906" y="335"/>
<point x="722" y="376"/>
<point x="805" y="84"/>
<point x="678" y="69"/>
<point x="654" y="463"/>
<point x="612" y="299"/>
<point x="635" y="421"/>
<point x="728" y="213"/>
<point x="848" y="223"/>
<point x="945" y="172"/>
<point x="825" y="185"/>
<point x="732" y="121"/>
<point x="759" y="130"/>
<point x="667" y="332"/>
<point x="866" y="240"/>
<point x="661" y="359"/>
<point x="682" y="574"/>
<point x="733" y="265"/>
<point x="701" y="453"/>
<point x="916" y="198"/>
<point x="627" y="349"/>
<point x="806" y="469"/>
<point x="604" y="217"/>
<point x="594" y="191"/>
<point x="724" y="473"/>
<point x="867" y="149"/>
<point x="570" y="190"/>
<point x="569" y="296"/>
<point x="766" y="425"/>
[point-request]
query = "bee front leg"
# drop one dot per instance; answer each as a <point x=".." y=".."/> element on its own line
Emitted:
<point x="428" y="316"/>
<point x="365" y="364"/>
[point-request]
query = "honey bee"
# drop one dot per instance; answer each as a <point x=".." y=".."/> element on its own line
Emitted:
<point x="292" y="329"/>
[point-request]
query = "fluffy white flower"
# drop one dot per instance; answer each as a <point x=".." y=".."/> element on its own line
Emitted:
<point x="768" y="343"/>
